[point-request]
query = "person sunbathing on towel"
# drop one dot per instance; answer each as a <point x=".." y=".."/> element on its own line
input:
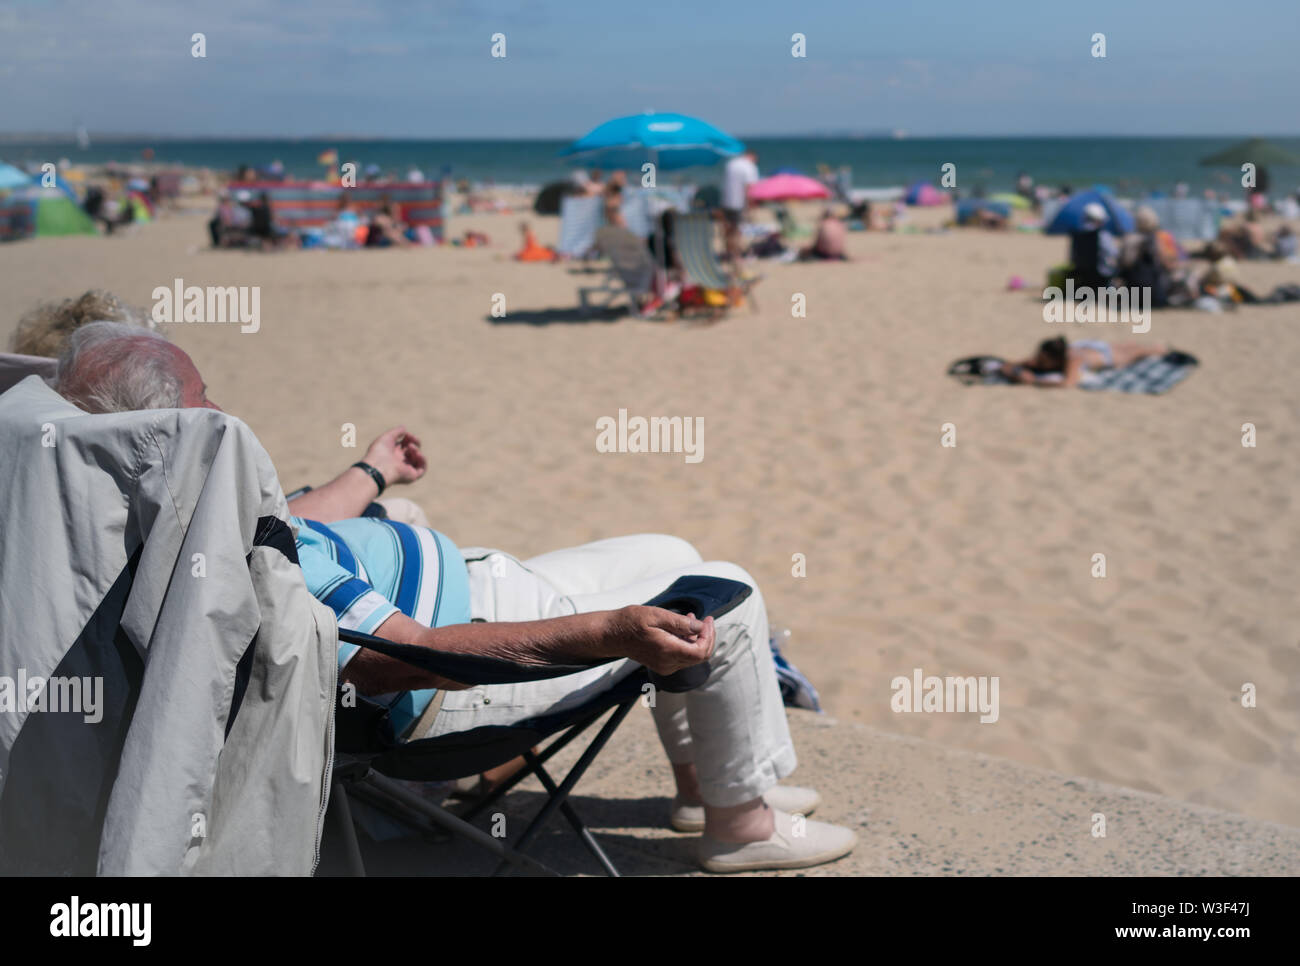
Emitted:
<point x="1059" y="362"/>
<point x="727" y="741"/>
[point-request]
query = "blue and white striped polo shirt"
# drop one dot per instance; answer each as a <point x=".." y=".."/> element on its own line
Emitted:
<point x="367" y="569"/>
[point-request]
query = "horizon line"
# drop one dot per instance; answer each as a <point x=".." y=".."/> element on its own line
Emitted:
<point x="871" y="135"/>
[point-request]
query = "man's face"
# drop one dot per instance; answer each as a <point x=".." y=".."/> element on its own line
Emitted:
<point x="194" y="393"/>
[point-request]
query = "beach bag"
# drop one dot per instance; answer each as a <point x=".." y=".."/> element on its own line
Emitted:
<point x="691" y="296"/>
<point x="1057" y="276"/>
<point x="978" y="370"/>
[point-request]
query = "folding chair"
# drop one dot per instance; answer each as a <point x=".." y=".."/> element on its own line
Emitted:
<point x="371" y="757"/>
<point x="251" y="660"/>
<point x="580" y="216"/>
<point x="693" y="234"/>
<point x="631" y="271"/>
<point x="148" y="563"/>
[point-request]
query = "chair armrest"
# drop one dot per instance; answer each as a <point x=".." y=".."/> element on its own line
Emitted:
<point x="471" y="669"/>
<point x="703" y="596"/>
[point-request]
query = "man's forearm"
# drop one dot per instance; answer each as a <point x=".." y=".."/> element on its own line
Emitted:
<point x="342" y="498"/>
<point x="575" y="639"/>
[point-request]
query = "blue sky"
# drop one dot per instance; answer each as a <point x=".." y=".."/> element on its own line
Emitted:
<point x="412" y="69"/>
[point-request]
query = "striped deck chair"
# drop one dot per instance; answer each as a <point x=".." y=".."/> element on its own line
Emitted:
<point x="693" y="236"/>
<point x="580" y="216"/>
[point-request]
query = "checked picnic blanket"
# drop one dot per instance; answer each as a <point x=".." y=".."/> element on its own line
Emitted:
<point x="1150" y="376"/>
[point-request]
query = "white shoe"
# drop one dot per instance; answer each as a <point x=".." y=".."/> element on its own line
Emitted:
<point x="792" y="846"/>
<point x="784" y="798"/>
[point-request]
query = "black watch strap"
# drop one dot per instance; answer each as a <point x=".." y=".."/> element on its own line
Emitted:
<point x="374" y="475"/>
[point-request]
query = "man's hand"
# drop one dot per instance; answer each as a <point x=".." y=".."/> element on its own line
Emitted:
<point x="659" y="639"/>
<point x="396" y="455"/>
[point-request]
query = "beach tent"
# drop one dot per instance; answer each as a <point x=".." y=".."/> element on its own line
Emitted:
<point x="924" y="194"/>
<point x="140" y="210"/>
<point x="50" y="212"/>
<point x="1018" y="202"/>
<point x="788" y="187"/>
<point x="1070" y="216"/>
<point x="1255" y="151"/>
<point x="59" y="182"/>
<point x="669" y="141"/>
<point x="11" y="177"/>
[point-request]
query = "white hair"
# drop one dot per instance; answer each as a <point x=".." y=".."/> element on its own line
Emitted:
<point x="115" y="367"/>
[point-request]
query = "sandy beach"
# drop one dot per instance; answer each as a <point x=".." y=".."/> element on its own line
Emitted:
<point x="823" y="438"/>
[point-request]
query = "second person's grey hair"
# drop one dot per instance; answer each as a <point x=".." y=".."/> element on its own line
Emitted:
<point x="113" y="367"/>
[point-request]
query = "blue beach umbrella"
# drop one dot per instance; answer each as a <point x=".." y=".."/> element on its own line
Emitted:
<point x="670" y="141"/>
<point x="1070" y="217"/>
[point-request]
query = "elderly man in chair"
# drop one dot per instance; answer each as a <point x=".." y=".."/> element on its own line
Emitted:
<point x="727" y="740"/>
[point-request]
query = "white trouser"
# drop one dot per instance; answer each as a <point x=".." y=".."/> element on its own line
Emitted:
<point x="732" y="727"/>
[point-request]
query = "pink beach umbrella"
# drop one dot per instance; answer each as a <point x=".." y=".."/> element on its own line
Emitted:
<point x="788" y="187"/>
